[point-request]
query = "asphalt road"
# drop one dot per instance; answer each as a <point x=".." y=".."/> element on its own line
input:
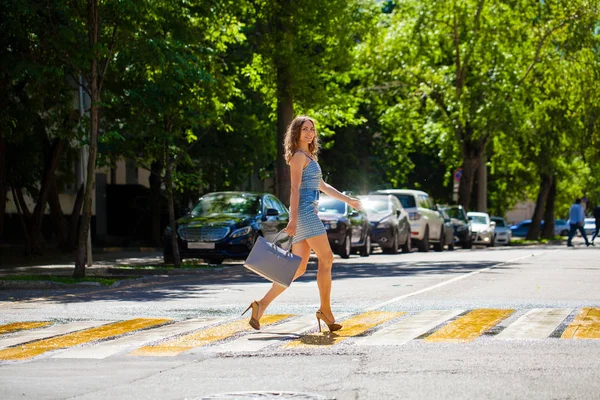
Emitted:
<point x="497" y="323"/>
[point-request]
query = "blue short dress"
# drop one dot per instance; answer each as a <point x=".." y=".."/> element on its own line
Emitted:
<point x="309" y="224"/>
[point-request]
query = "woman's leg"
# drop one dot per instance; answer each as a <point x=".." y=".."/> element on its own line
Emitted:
<point x="300" y="249"/>
<point x="320" y="245"/>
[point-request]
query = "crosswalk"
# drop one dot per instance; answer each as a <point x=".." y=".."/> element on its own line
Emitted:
<point x="162" y="337"/>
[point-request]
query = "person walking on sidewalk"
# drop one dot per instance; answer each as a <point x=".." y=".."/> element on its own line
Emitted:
<point x="597" y="218"/>
<point x="306" y="229"/>
<point x="576" y="221"/>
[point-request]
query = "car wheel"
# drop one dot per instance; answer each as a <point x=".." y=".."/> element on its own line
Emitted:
<point x="451" y="245"/>
<point x="564" y="233"/>
<point x="215" y="260"/>
<point x="366" y="249"/>
<point x="407" y="244"/>
<point x="423" y="245"/>
<point x="468" y="244"/>
<point x="346" y="247"/>
<point x="491" y="244"/>
<point x="439" y="246"/>
<point x="393" y="249"/>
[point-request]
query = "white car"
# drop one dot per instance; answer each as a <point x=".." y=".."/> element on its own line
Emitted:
<point x="426" y="223"/>
<point x="502" y="233"/>
<point x="589" y="227"/>
<point x="482" y="228"/>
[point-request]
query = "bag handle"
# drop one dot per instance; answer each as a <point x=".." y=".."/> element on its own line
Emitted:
<point x="289" y="246"/>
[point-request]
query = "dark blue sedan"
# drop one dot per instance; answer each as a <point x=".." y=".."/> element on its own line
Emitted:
<point x="225" y="225"/>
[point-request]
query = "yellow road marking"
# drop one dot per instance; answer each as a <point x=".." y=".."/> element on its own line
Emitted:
<point x="179" y="344"/>
<point x="351" y="327"/>
<point x="21" y="326"/>
<point x="469" y="326"/>
<point x="32" y="349"/>
<point x="585" y="326"/>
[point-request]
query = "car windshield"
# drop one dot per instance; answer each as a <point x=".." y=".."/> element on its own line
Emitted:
<point x="455" y="212"/>
<point x="375" y="205"/>
<point x="478" y="219"/>
<point x="407" y="200"/>
<point x="227" y="203"/>
<point x="499" y="222"/>
<point x="331" y="205"/>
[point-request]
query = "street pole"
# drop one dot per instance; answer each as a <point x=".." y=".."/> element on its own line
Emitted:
<point x="83" y="156"/>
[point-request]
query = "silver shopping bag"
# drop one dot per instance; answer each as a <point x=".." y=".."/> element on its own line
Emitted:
<point x="272" y="262"/>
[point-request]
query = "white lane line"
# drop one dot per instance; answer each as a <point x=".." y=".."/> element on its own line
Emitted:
<point x="438" y="285"/>
<point x="407" y="329"/>
<point x="271" y="335"/>
<point x="44" y="333"/>
<point x="537" y="324"/>
<point x="126" y="343"/>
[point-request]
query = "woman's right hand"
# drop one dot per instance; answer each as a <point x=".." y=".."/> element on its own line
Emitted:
<point x="290" y="229"/>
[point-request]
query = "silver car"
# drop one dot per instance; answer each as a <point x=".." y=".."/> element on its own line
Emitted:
<point x="482" y="228"/>
<point x="502" y="233"/>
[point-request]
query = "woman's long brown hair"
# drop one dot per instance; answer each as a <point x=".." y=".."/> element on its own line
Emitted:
<point x="292" y="136"/>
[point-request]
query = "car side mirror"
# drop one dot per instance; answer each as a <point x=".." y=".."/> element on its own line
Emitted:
<point x="493" y="224"/>
<point x="398" y="212"/>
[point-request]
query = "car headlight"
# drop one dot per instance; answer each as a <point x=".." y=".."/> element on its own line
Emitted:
<point x="241" y="232"/>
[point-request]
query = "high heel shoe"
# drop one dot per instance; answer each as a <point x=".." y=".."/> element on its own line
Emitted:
<point x="331" y="325"/>
<point x="254" y="322"/>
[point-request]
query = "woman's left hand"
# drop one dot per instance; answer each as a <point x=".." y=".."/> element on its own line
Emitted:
<point x="355" y="203"/>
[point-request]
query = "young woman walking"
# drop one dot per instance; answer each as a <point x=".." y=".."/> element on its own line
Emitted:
<point x="307" y="230"/>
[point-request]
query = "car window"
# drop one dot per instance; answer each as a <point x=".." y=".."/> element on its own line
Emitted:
<point x="425" y="202"/>
<point x="396" y="203"/>
<point x="499" y="222"/>
<point x="226" y="203"/>
<point x="478" y="219"/>
<point x="279" y="206"/>
<point x="407" y="200"/>
<point x="331" y="205"/>
<point x="376" y="205"/>
<point x="269" y="203"/>
<point x="456" y="213"/>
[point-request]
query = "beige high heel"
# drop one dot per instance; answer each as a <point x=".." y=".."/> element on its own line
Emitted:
<point x="254" y="322"/>
<point x="331" y="325"/>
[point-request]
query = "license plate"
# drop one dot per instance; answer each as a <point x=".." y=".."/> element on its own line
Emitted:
<point x="201" y="245"/>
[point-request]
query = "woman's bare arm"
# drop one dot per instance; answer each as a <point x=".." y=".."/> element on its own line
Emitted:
<point x="333" y="192"/>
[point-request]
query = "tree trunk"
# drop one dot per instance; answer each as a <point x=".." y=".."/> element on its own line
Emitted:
<point x="482" y="184"/>
<point x="470" y="164"/>
<point x="19" y="205"/>
<point x="49" y="179"/>
<point x="84" y="226"/>
<point x="155" y="209"/>
<point x="74" y="219"/>
<point x="171" y="203"/>
<point x="548" y="230"/>
<point x="3" y="182"/>
<point x="61" y="228"/>
<point x="536" y="220"/>
<point x="285" y="99"/>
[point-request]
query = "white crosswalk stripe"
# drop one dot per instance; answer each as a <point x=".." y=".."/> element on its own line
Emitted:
<point x="130" y="342"/>
<point x="407" y="329"/>
<point x="55" y="330"/>
<point x="537" y="324"/>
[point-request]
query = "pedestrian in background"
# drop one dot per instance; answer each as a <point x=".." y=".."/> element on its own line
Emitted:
<point x="576" y="222"/>
<point x="597" y="217"/>
<point x="306" y="229"/>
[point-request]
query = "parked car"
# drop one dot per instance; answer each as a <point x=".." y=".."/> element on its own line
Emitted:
<point x="426" y="223"/>
<point x="448" y="229"/>
<point x="461" y="226"/>
<point x="390" y="227"/>
<point x="348" y="229"/>
<point x="561" y="227"/>
<point x="589" y="227"/>
<point x="225" y="225"/>
<point x="521" y="228"/>
<point x="483" y="228"/>
<point x="502" y="234"/>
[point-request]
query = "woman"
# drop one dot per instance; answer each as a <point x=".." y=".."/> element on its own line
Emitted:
<point x="307" y="230"/>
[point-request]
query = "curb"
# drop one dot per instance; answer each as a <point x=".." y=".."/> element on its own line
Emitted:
<point x="48" y="285"/>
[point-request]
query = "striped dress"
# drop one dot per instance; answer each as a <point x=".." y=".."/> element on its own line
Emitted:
<point x="309" y="224"/>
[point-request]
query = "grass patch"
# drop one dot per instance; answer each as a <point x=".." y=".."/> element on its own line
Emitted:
<point x="184" y="265"/>
<point x="62" y="279"/>
<point x="519" y="242"/>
